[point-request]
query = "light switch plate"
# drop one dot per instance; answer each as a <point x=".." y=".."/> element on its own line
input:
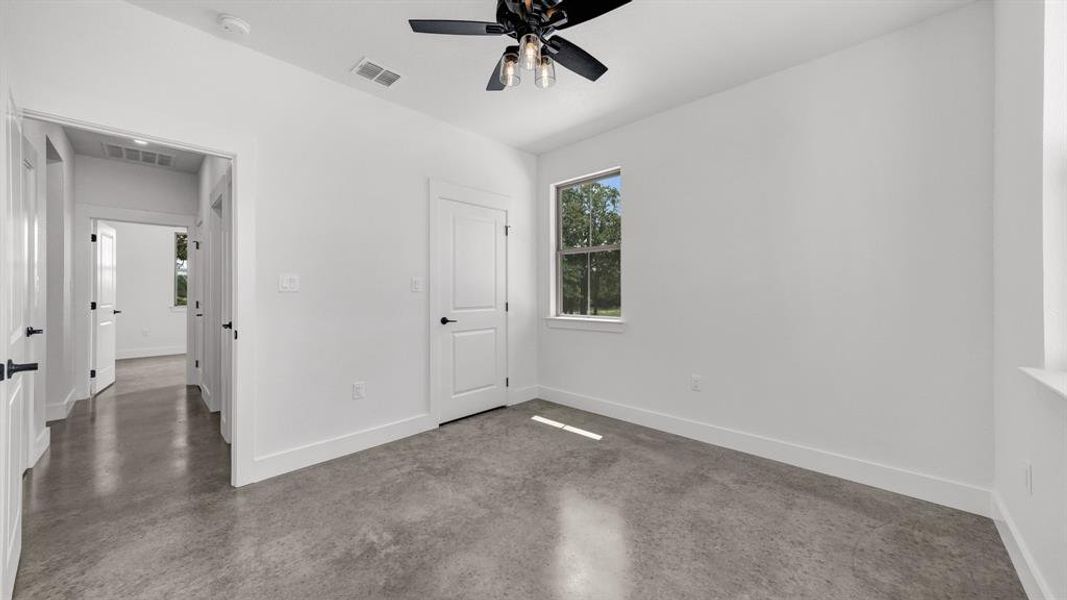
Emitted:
<point x="288" y="282"/>
<point x="696" y="382"/>
<point x="418" y="284"/>
<point x="359" y="390"/>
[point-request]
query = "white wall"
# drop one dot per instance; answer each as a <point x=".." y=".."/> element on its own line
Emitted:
<point x="331" y="184"/>
<point x="113" y="183"/>
<point x="816" y="244"/>
<point x="149" y="325"/>
<point x="56" y="192"/>
<point x="1030" y="420"/>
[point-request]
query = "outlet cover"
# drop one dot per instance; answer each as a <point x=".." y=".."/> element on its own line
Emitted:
<point x="359" y="390"/>
<point x="696" y="382"/>
<point x="288" y="283"/>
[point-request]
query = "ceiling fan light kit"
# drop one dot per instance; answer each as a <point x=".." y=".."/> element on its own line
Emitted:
<point x="534" y="24"/>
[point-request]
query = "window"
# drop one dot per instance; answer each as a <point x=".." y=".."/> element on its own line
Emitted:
<point x="588" y="247"/>
<point x="181" y="269"/>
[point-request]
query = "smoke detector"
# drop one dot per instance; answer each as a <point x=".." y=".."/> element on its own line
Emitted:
<point x="234" y="25"/>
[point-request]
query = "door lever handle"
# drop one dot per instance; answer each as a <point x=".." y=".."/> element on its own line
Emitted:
<point x="14" y="367"/>
<point x="446" y="321"/>
<point x="228" y="325"/>
<point x="31" y="331"/>
<point x="116" y="312"/>
<point x="199" y="314"/>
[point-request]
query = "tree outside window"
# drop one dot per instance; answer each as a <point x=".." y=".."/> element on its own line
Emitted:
<point x="181" y="269"/>
<point x="588" y="247"/>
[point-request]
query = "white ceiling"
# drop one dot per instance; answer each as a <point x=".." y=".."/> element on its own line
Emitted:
<point x="661" y="53"/>
<point x="90" y="143"/>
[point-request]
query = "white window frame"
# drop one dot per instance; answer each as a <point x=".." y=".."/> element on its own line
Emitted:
<point x="585" y="322"/>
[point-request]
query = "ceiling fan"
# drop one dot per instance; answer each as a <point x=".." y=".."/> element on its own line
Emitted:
<point x="534" y="24"/>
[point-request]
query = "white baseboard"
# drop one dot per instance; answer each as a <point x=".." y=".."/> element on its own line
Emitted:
<point x="58" y="412"/>
<point x="209" y="400"/>
<point x="278" y="463"/>
<point x="148" y="352"/>
<point x="520" y="395"/>
<point x="955" y="494"/>
<point x="1034" y="583"/>
<point x="44" y="439"/>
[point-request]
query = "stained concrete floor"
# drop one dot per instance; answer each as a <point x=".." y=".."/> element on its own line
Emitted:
<point x="133" y="501"/>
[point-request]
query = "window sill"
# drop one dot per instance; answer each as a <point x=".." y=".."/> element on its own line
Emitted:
<point x="178" y="308"/>
<point x="605" y="325"/>
<point x="1056" y="381"/>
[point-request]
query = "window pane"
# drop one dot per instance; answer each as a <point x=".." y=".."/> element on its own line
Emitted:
<point x="604" y="284"/>
<point x="605" y="202"/>
<point x="573" y="218"/>
<point x="181" y="269"/>
<point x="574" y="279"/>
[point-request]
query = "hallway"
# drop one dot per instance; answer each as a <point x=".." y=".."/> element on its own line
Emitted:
<point x="144" y="450"/>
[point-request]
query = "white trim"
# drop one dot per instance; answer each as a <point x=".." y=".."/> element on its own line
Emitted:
<point x="40" y="445"/>
<point x="520" y="395"/>
<point x="58" y="412"/>
<point x="278" y="463"/>
<point x="586" y="324"/>
<point x="956" y="494"/>
<point x="149" y="352"/>
<point x="1056" y="381"/>
<point x="1034" y="583"/>
<point x="208" y="398"/>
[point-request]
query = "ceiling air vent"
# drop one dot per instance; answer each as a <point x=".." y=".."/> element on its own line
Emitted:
<point x="376" y="73"/>
<point x="143" y="157"/>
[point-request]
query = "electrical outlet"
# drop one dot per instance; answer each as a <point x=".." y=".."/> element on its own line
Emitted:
<point x="1028" y="477"/>
<point x="359" y="390"/>
<point x="696" y="382"/>
<point x="288" y="283"/>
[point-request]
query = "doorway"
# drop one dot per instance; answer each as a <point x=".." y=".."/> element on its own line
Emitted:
<point x="468" y="301"/>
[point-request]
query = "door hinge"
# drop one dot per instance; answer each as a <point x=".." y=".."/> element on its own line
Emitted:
<point x="92" y="237"/>
<point x="507" y="307"/>
<point x="197" y="244"/>
<point x="196" y="364"/>
<point x="235" y="334"/>
<point x="92" y="306"/>
<point x="92" y="373"/>
<point x="507" y="382"/>
<point x="507" y="230"/>
<point x="198" y="304"/>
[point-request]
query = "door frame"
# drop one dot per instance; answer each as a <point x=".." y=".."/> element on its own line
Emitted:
<point x="84" y="272"/>
<point x="243" y="463"/>
<point x="442" y="190"/>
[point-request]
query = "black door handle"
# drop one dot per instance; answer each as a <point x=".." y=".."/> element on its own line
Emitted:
<point x="446" y="321"/>
<point x="228" y="325"/>
<point x="31" y="331"/>
<point x="199" y="314"/>
<point x="13" y="367"/>
<point x="116" y="312"/>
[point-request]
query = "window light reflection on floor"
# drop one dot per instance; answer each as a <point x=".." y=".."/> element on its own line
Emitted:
<point x="565" y="427"/>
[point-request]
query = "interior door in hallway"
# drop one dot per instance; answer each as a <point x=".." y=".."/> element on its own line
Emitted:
<point x="105" y="275"/>
<point x="470" y="296"/>
<point x="17" y="392"/>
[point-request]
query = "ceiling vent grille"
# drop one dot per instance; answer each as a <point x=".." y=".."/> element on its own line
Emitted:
<point x="143" y="157"/>
<point x="376" y="73"/>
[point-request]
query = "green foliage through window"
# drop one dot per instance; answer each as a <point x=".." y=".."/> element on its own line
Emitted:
<point x="181" y="269"/>
<point x="588" y="247"/>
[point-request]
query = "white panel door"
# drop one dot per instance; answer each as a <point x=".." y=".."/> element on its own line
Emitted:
<point x="105" y="275"/>
<point x="471" y="317"/>
<point x="35" y="307"/>
<point x="15" y="398"/>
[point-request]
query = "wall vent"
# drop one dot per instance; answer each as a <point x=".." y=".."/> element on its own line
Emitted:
<point x="376" y="73"/>
<point x="143" y="157"/>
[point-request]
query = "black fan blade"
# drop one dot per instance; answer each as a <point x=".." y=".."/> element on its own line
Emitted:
<point x="580" y="11"/>
<point x="575" y="59"/>
<point x="494" y="84"/>
<point x="456" y="27"/>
